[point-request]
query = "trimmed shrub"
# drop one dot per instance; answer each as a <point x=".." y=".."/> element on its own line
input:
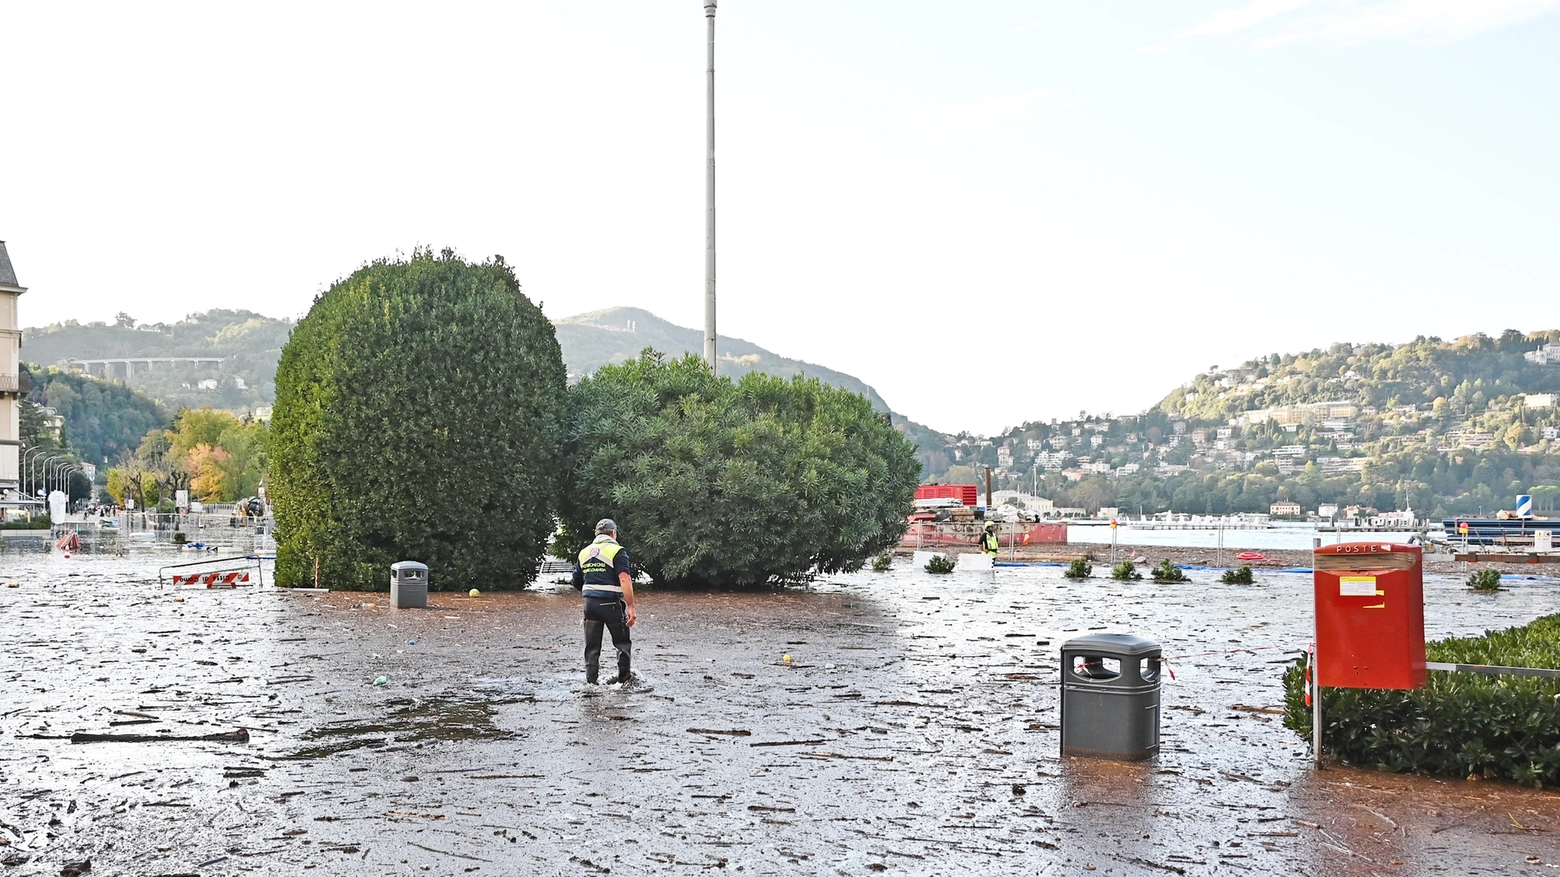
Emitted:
<point x="1080" y="568"/>
<point x="419" y="416"/>
<point x="883" y="563"/>
<point x="1125" y="571"/>
<point x="715" y="483"/>
<point x="1460" y="724"/>
<point x="36" y="522"/>
<point x="1240" y="576"/>
<point x="1485" y="580"/>
<point x="1168" y="572"/>
<point x="940" y="564"/>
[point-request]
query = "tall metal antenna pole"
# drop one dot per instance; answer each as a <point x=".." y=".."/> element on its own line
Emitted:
<point x="709" y="196"/>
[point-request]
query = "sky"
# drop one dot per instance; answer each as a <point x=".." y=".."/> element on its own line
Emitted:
<point x="992" y="213"/>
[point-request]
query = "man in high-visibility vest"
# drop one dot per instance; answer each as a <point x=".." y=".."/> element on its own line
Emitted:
<point x="988" y="541"/>
<point x="603" y="578"/>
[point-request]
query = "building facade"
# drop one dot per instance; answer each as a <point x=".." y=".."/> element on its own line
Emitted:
<point x="10" y="378"/>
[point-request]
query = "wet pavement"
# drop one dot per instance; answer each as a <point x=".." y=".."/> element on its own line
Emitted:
<point x="874" y="723"/>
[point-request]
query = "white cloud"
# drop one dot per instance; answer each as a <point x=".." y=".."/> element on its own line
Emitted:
<point x="1351" y="22"/>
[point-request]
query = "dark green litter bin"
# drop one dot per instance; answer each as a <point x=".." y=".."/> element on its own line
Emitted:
<point x="1110" y="696"/>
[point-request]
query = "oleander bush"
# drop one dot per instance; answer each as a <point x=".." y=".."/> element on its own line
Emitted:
<point x="1240" y="576"/>
<point x="1485" y="580"/>
<point x="1125" y="571"/>
<point x="722" y="483"/>
<point x="1460" y="724"/>
<point x="1168" y="572"/>
<point x="1080" y="568"/>
<point x="940" y="564"/>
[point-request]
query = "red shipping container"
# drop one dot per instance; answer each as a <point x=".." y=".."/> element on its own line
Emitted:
<point x="1370" y="615"/>
<point x="968" y="494"/>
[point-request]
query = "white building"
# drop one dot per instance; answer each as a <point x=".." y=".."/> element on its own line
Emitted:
<point x="1545" y="355"/>
<point x="10" y="378"/>
<point x="1023" y="500"/>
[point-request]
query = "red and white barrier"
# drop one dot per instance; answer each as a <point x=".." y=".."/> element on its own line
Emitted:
<point x="214" y="579"/>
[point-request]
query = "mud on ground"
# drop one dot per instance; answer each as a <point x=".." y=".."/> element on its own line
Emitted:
<point x="875" y="723"/>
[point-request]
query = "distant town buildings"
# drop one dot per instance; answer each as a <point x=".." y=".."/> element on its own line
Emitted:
<point x="1284" y="508"/>
<point x="1299" y="415"/>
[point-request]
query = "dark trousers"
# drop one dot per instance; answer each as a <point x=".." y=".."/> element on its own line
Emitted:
<point x="612" y="615"/>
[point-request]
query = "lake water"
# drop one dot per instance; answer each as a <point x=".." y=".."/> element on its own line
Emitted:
<point x="1292" y="537"/>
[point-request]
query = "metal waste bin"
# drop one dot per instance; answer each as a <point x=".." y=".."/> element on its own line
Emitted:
<point x="1110" y="696"/>
<point x="409" y="585"/>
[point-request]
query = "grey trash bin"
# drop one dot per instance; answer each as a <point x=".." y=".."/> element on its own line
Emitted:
<point x="1110" y="696"/>
<point x="409" y="585"/>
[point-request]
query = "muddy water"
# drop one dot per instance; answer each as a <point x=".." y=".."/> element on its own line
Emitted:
<point x="896" y="722"/>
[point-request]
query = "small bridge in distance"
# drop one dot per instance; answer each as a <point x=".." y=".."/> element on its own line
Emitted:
<point x="126" y="367"/>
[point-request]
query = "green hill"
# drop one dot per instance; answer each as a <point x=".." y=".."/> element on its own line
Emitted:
<point x="248" y="343"/>
<point x="101" y="419"/>
<point x="1470" y="373"/>
<point x="614" y="335"/>
<point x="1456" y="427"/>
<point x="250" y="346"/>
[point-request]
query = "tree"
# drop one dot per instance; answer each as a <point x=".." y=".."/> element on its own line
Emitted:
<point x="419" y="416"/>
<point x="720" y="483"/>
<point x="960" y="475"/>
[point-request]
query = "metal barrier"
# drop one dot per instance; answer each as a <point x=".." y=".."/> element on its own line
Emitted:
<point x="225" y="576"/>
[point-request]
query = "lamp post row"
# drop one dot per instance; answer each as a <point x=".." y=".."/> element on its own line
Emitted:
<point x="63" y="470"/>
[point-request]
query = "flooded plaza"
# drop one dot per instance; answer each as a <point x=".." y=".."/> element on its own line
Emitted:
<point x="893" y="722"/>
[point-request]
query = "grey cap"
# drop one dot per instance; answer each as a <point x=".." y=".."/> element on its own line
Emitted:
<point x="606" y="525"/>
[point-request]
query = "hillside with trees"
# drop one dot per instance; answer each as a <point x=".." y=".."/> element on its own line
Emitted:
<point x="1442" y="428"/>
<point x="248" y="343"/>
<point x="99" y="420"/>
<point x="1470" y="375"/>
<point x="619" y="335"/>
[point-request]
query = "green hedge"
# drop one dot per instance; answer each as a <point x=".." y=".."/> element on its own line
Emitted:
<point x="1505" y="727"/>
<point x="419" y="416"/>
<point x="36" y="522"/>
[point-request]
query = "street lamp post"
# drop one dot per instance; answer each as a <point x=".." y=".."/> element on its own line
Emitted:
<point x="67" y="476"/>
<point x="58" y="463"/>
<point x="709" y="198"/>
<point x="24" y="472"/>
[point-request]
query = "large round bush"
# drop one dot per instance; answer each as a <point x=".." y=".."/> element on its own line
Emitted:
<point x="418" y="416"/>
<point x="714" y="483"/>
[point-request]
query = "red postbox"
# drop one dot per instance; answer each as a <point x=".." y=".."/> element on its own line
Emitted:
<point x="1370" y="615"/>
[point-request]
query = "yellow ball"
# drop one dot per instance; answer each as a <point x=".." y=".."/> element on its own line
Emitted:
<point x="785" y="657"/>
<point x="474" y="593"/>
